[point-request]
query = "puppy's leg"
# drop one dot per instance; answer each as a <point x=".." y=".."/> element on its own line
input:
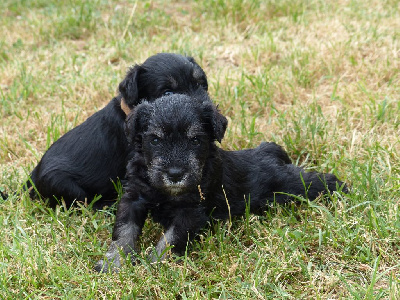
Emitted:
<point x="317" y="183"/>
<point x="55" y="184"/>
<point x="69" y="190"/>
<point x="131" y="215"/>
<point x="185" y="225"/>
<point x="310" y="184"/>
<point x="167" y="239"/>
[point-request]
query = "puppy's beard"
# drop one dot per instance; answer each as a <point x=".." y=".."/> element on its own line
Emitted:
<point x="174" y="188"/>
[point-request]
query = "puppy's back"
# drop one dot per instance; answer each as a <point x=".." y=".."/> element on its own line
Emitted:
<point x="64" y="161"/>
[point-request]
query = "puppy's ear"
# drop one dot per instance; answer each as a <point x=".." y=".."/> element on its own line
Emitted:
<point x="137" y="121"/>
<point x="215" y="121"/>
<point x="219" y="125"/>
<point x="198" y="74"/>
<point x="129" y="86"/>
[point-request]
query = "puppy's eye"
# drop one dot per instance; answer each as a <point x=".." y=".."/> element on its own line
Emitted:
<point x="166" y="93"/>
<point x="155" y="141"/>
<point x="195" y="141"/>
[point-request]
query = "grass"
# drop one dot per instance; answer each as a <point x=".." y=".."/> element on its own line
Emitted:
<point x="321" y="78"/>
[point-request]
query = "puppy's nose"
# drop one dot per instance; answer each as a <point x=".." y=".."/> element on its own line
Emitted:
<point x="175" y="174"/>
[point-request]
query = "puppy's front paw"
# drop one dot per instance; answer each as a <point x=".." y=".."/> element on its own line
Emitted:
<point x="111" y="261"/>
<point x="101" y="266"/>
<point x="105" y="266"/>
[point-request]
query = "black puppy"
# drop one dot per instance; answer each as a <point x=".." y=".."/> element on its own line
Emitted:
<point x="88" y="159"/>
<point x="182" y="178"/>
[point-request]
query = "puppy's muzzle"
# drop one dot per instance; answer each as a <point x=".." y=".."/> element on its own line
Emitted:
<point x="175" y="180"/>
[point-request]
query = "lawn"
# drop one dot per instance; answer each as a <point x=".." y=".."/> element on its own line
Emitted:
<point x="320" y="78"/>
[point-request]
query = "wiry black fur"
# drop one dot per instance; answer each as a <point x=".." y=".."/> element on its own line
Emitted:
<point x="88" y="159"/>
<point x="175" y="154"/>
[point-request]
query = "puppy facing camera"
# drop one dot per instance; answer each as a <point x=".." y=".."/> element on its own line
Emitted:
<point x="182" y="178"/>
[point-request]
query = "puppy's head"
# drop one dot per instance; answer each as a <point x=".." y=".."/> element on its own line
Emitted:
<point x="175" y="134"/>
<point x="162" y="74"/>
